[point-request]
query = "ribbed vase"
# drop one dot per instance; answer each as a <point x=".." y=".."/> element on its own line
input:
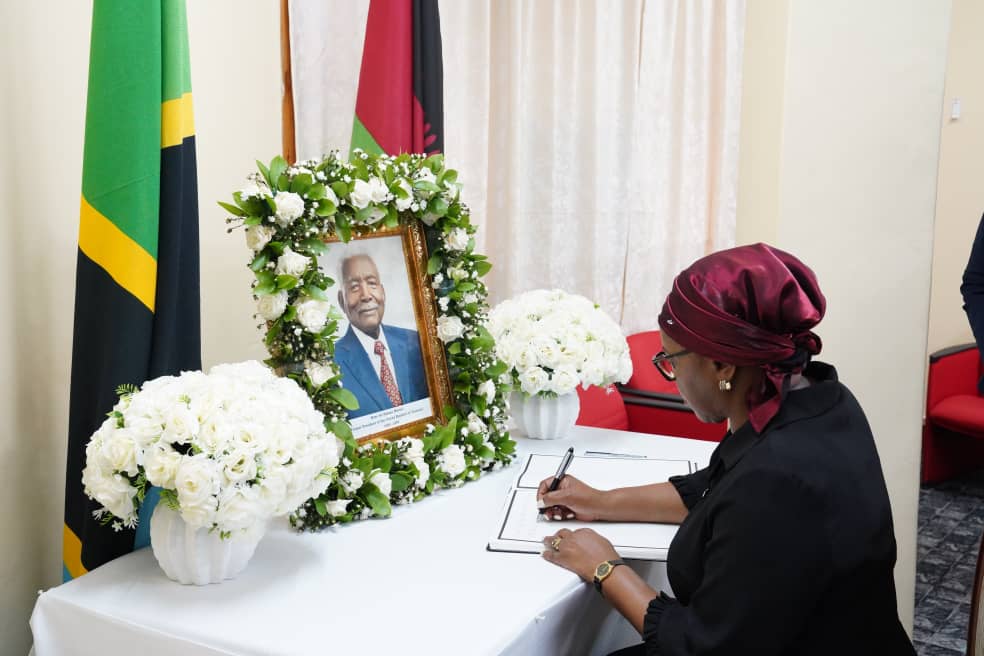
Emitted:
<point x="195" y="555"/>
<point x="544" y="419"/>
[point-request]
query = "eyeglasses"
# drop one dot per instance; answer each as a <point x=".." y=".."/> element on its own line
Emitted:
<point x="663" y="361"/>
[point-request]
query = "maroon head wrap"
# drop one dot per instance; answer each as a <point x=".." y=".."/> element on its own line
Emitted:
<point x="751" y="305"/>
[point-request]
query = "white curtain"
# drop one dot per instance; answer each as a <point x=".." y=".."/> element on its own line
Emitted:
<point x="597" y="141"/>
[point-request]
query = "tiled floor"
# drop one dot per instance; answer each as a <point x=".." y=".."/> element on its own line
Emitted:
<point x="951" y="520"/>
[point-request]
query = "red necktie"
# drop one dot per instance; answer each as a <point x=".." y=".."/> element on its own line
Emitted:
<point x="386" y="376"/>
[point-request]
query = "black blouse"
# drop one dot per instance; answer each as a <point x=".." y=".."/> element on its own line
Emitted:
<point x="788" y="547"/>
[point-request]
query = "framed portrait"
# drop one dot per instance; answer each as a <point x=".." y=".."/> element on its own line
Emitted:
<point x="388" y="350"/>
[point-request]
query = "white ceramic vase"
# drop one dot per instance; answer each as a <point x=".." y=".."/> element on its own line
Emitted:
<point x="544" y="419"/>
<point x="195" y="555"/>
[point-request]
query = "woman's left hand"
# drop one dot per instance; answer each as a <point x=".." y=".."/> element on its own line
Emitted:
<point x="580" y="551"/>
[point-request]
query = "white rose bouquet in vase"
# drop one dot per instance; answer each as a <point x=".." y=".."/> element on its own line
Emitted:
<point x="229" y="450"/>
<point x="554" y="341"/>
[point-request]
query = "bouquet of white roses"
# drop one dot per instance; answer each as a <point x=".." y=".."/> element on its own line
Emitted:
<point x="229" y="449"/>
<point x="554" y="341"/>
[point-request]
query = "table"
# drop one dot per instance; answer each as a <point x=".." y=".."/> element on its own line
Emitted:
<point x="420" y="582"/>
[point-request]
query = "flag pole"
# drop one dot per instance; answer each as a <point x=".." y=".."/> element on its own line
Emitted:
<point x="287" y="103"/>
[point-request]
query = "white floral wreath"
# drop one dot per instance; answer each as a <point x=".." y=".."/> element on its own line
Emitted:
<point x="288" y="212"/>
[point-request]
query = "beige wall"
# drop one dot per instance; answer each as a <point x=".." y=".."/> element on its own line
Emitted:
<point x="237" y="112"/>
<point x="960" y="190"/>
<point x="854" y="194"/>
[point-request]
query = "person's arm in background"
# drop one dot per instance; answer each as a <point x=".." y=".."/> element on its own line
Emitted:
<point x="972" y="290"/>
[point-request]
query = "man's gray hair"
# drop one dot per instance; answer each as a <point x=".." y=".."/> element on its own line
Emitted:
<point x="351" y="255"/>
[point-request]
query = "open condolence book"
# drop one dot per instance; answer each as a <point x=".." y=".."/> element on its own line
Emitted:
<point x="521" y="528"/>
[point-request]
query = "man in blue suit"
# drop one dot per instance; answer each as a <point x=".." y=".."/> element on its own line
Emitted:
<point x="381" y="365"/>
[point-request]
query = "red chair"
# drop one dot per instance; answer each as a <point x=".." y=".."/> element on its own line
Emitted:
<point x="953" y="432"/>
<point x="652" y="403"/>
<point x="602" y="407"/>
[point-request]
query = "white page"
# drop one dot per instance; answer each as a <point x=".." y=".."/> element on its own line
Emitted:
<point x="522" y="528"/>
<point x="604" y="473"/>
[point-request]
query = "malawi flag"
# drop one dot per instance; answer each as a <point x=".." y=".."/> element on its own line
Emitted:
<point x="400" y="106"/>
<point x="137" y="279"/>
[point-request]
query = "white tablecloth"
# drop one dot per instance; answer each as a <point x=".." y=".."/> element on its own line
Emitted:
<point x="421" y="582"/>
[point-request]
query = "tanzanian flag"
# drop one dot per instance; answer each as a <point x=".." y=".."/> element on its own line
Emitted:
<point x="137" y="278"/>
<point x="400" y="106"/>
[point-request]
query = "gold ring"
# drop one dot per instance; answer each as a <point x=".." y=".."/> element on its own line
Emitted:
<point x="555" y="543"/>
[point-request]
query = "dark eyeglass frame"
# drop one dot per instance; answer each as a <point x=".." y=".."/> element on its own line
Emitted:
<point x="660" y="358"/>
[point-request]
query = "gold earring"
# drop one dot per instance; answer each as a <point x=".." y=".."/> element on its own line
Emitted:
<point x="724" y="385"/>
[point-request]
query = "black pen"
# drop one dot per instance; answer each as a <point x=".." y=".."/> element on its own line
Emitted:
<point x="565" y="462"/>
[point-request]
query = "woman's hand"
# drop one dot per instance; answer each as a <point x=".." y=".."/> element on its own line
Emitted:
<point x="571" y="500"/>
<point x="580" y="551"/>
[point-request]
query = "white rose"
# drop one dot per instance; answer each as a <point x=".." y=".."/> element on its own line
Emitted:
<point x="120" y="451"/>
<point x="271" y="306"/>
<point x="457" y="274"/>
<point x="292" y="263"/>
<point x="181" y="425"/>
<point x="318" y="373"/>
<point x="425" y="175"/>
<point x="361" y="194"/>
<point x="258" y="236"/>
<point x="414" y="448"/>
<point x="475" y="424"/>
<point x="449" y="328"/>
<point x="453" y="460"/>
<point x="338" y="508"/>
<point x="289" y="207"/>
<point x="457" y="239"/>
<point x="403" y="204"/>
<point x="312" y="314"/>
<point x="563" y="380"/>
<point x="533" y="380"/>
<point x="378" y="193"/>
<point x="240" y="508"/>
<point x="197" y="483"/>
<point x="383" y="482"/>
<point x="161" y="465"/>
<point x="424" y="472"/>
<point x="114" y="492"/>
<point x="487" y="389"/>
<point x="351" y="481"/>
<point x="239" y="466"/>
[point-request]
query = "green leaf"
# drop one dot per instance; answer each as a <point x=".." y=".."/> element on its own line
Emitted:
<point x="316" y="292"/>
<point x="426" y="185"/>
<point x="448" y="176"/>
<point x="274" y="332"/>
<point x="320" y="506"/>
<point x="344" y="398"/>
<point x="314" y="246"/>
<point x="497" y="369"/>
<point x="435" y="162"/>
<point x="430" y="441"/>
<point x="482" y="268"/>
<point x="392" y="218"/>
<point x="277" y="168"/>
<point x="454" y="348"/>
<point x="301" y="183"/>
<point x="342" y="431"/>
<point x="286" y="282"/>
<point x="277" y="247"/>
<point x="253" y="220"/>
<point x="382" y="461"/>
<point x="259" y="262"/>
<point x="290" y="313"/>
<point x="232" y="209"/>
<point x="400" y="481"/>
<point x="325" y="208"/>
<point x="377" y="500"/>
<point x="265" y="172"/>
<point x="316" y="191"/>
<point x="438" y="206"/>
<point x="340" y="188"/>
<point x="434" y="264"/>
<point x="364" y="214"/>
<point x="266" y="283"/>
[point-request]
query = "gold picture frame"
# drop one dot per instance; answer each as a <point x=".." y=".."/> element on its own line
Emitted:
<point x="373" y="421"/>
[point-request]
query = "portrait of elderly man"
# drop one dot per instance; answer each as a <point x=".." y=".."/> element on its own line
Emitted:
<point x="381" y="364"/>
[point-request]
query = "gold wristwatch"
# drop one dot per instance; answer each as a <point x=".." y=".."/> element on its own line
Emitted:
<point x="604" y="570"/>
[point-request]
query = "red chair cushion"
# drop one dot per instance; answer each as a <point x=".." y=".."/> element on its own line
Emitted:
<point x="602" y="407"/>
<point x="680" y="422"/>
<point x="963" y="413"/>
<point x="952" y="372"/>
